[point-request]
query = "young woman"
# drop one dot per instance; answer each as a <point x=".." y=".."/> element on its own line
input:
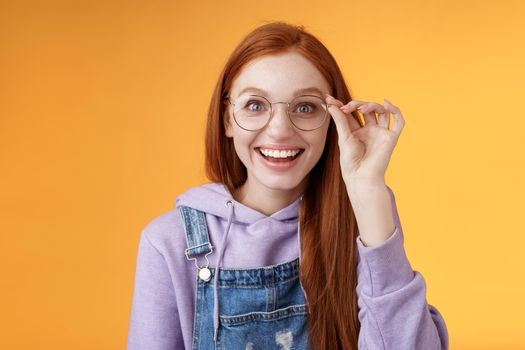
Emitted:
<point x="296" y="242"/>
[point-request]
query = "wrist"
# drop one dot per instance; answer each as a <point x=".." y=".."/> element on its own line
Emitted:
<point x="372" y="208"/>
<point x="365" y="185"/>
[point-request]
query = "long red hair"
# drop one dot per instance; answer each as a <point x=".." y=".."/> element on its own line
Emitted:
<point x="327" y="221"/>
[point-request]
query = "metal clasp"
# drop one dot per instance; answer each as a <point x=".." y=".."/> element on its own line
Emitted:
<point x="204" y="271"/>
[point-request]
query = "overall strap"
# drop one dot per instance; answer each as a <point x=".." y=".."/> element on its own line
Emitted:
<point x="197" y="238"/>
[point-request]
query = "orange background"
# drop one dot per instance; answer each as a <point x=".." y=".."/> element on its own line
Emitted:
<point x="102" y="113"/>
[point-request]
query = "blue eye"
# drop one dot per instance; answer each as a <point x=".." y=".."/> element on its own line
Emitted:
<point x="254" y="106"/>
<point x="305" y="108"/>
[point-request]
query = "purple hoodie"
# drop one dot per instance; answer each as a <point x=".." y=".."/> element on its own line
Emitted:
<point x="393" y="310"/>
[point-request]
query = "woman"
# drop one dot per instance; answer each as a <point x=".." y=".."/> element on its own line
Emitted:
<point x="296" y="243"/>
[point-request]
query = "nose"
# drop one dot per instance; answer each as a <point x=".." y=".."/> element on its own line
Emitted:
<point x="280" y="125"/>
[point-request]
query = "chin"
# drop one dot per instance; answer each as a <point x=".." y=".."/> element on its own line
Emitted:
<point x="281" y="184"/>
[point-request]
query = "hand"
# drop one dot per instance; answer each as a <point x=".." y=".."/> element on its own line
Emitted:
<point x="365" y="150"/>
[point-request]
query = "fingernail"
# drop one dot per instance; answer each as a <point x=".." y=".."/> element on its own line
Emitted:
<point x="362" y="107"/>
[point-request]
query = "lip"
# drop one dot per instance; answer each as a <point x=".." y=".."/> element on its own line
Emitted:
<point x="278" y="147"/>
<point x="281" y="166"/>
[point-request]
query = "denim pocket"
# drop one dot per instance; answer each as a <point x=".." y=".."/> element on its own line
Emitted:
<point x="235" y="300"/>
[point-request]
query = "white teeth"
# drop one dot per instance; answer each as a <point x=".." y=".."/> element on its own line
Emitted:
<point x="279" y="154"/>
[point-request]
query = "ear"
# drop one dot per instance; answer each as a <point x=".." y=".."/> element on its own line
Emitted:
<point x="228" y="127"/>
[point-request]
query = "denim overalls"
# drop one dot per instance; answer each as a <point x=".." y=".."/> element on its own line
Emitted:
<point x="261" y="308"/>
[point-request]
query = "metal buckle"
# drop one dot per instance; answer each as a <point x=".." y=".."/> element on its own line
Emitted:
<point x="205" y="274"/>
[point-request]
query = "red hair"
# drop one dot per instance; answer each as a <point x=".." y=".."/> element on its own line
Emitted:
<point x="327" y="221"/>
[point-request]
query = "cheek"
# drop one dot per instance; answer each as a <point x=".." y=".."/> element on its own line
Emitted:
<point x="243" y="144"/>
<point x="318" y="144"/>
<point x="319" y="141"/>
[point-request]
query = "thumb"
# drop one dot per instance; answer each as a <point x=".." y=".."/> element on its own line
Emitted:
<point x="340" y="118"/>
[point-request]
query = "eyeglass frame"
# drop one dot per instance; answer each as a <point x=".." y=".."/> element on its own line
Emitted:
<point x="227" y="98"/>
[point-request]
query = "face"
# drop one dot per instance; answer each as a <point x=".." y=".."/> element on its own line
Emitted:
<point x="278" y="78"/>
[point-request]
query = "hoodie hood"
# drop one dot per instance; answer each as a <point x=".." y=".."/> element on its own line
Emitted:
<point x="268" y="239"/>
<point x="210" y="198"/>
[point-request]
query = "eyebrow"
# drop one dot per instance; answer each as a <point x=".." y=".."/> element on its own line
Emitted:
<point x="299" y="92"/>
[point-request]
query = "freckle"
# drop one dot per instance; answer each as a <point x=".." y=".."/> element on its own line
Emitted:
<point x="249" y="346"/>
<point x="284" y="339"/>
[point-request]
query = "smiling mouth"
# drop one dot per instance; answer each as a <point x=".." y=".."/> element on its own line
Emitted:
<point x="280" y="159"/>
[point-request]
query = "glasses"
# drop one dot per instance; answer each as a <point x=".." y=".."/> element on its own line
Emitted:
<point x="253" y="112"/>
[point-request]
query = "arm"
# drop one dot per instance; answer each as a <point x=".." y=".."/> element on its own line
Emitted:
<point x="154" y="321"/>
<point x="393" y="310"/>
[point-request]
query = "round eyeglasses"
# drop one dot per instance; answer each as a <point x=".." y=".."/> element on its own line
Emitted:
<point x="253" y="112"/>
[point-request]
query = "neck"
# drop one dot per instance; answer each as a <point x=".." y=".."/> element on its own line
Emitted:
<point x="267" y="200"/>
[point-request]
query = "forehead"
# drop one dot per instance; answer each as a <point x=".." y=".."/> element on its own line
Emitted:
<point x="281" y="76"/>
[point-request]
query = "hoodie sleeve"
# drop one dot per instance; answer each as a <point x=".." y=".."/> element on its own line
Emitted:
<point x="393" y="309"/>
<point x="154" y="321"/>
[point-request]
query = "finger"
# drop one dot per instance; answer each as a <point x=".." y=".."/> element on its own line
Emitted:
<point x="399" y="120"/>
<point x="340" y="118"/>
<point x="363" y="107"/>
<point x="369" y="112"/>
<point x="353" y="105"/>
<point x="383" y="119"/>
<point x="353" y="119"/>
<point x="383" y="116"/>
<point x="370" y="116"/>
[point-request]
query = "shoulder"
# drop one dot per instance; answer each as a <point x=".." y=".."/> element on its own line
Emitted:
<point x="165" y="232"/>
